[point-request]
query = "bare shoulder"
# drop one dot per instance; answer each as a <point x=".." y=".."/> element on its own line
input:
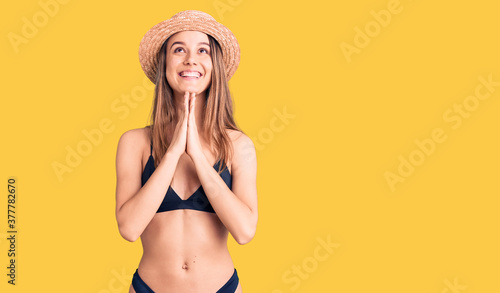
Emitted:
<point x="244" y="149"/>
<point x="133" y="145"/>
<point x="135" y="138"/>
<point x="238" y="138"/>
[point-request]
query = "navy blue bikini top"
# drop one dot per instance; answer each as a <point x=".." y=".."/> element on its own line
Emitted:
<point x="197" y="201"/>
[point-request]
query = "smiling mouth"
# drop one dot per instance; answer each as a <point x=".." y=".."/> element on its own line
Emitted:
<point x="190" y="74"/>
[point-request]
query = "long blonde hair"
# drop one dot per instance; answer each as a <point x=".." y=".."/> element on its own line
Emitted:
<point x="217" y="116"/>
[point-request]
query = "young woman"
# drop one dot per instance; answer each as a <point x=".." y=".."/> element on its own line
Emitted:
<point x="188" y="179"/>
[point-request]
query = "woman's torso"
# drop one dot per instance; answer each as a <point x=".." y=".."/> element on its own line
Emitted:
<point x="184" y="249"/>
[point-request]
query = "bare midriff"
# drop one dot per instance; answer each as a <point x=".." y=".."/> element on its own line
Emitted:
<point x="185" y="251"/>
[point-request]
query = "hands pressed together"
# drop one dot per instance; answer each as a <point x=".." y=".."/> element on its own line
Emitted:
<point x="185" y="137"/>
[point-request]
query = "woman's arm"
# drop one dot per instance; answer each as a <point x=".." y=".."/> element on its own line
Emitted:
<point x="136" y="206"/>
<point x="236" y="208"/>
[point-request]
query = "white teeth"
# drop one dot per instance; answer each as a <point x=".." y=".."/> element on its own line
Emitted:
<point x="194" y="74"/>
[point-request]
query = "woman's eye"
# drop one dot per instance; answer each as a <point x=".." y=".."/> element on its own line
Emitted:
<point x="179" y="48"/>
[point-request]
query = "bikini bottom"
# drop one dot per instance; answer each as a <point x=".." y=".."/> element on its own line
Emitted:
<point x="141" y="287"/>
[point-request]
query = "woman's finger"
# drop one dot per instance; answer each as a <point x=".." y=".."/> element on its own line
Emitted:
<point x="191" y="108"/>
<point x="186" y="103"/>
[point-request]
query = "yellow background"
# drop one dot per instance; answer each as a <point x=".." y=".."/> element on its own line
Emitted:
<point x="320" y="174"/>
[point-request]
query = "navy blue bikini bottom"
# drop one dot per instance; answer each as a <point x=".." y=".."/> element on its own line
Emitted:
<point x="141" y="287"/>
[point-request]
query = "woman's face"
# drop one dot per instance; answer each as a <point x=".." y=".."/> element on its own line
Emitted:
<point x="189" y="65"/>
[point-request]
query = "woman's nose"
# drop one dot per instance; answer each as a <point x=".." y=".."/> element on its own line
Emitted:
<point x="190" y="59"/>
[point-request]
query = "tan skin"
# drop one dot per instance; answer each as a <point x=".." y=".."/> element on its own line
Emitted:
<point x="186" y="250"/>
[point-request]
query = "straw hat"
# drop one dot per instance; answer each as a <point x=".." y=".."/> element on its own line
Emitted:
<point x="188" y="20"/>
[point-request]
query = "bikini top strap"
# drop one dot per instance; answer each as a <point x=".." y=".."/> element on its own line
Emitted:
<point x="151" y="151"/>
